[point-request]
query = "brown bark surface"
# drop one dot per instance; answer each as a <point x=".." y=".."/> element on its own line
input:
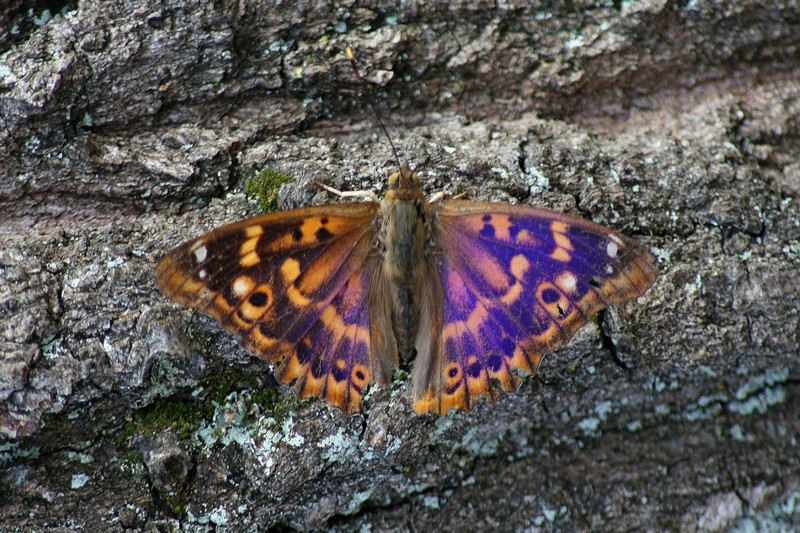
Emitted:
<point x="128" y="127"/>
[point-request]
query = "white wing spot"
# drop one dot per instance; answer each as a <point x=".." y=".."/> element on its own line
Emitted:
<point x="201" y="274"/>
<point x="609" y="269"/>
<point x="242" y="285"/>
<point x="201" y="253"/>
<point x="567" y="282"/>
<point x="612" y="249"/>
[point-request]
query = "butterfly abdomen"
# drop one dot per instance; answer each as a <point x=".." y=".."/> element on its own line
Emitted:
<point x="405" y="233"/>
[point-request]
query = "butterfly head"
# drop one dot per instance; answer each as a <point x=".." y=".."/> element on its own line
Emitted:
<point x="405" y="178"/>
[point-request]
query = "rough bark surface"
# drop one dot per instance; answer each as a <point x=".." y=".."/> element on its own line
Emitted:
<point x="127" y="127"/>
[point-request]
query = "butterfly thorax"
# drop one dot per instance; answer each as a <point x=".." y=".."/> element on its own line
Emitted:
<point x="405" y="233"/>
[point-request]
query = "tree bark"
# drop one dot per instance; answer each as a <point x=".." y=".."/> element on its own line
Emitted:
<point x="129" y="127"/>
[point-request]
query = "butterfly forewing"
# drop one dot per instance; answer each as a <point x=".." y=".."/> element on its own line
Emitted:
<point x="289" y="286"/>
<point x="518" y="282"/>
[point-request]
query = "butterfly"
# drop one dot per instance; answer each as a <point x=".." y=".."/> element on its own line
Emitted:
<point x="475" y="293"/>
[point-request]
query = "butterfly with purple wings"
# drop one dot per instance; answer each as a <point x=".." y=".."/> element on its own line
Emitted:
<point x="473" y="293"/>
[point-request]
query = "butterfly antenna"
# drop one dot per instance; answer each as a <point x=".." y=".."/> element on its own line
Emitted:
<point x="371" y="100"/>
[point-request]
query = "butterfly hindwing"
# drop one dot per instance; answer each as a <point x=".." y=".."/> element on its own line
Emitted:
<point x="517" y="283"/>
<point x="283" y="282"/>
<point x="333" y="358"/>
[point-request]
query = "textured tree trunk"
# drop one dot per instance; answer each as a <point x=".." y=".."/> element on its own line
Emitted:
<point x="129" y="127"/>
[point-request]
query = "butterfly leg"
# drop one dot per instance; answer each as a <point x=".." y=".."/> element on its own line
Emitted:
<point x="435" y="197"/>
<point x="346" y="194"/>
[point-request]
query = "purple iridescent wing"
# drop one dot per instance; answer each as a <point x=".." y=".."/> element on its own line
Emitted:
<point x="518" y="282"/>
<point x="333" y="360"/>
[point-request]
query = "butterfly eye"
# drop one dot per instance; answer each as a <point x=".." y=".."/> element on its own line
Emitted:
<point x="405" y="178"/>
<point x="408" y="178"/>
<point x="393" y="180"/>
